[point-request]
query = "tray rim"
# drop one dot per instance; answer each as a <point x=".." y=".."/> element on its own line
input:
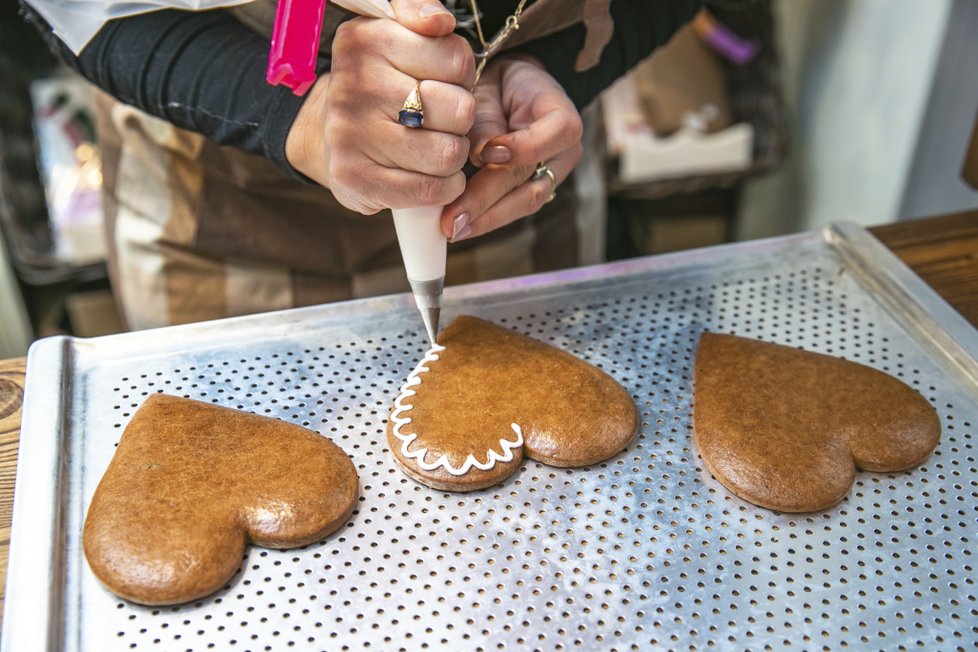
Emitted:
<point x="38" y="529"/>
<point x="288" y="323"/>
<point x="909" y="299"/>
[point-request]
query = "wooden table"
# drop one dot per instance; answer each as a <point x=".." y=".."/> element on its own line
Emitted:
<point x="11" y="396"/>
<point x="942" y="250"/>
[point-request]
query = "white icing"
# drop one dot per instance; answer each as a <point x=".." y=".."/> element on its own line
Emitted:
<point x="413" y="380"/>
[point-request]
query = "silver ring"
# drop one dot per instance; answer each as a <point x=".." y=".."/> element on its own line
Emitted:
<point x="411" y="114"/>
<point x="542" y="170"/>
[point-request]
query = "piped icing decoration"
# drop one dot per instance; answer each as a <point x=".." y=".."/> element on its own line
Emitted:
<point x="419" y="454"/>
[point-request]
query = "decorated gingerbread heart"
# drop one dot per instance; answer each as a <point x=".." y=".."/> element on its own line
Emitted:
<point x="191" y="483"/>
<point x="786" y="429"/>
<point x="485" y="396"/>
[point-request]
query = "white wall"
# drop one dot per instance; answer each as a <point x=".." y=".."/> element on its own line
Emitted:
<point x="935" y="184"/>
<point x="857" y="78"/>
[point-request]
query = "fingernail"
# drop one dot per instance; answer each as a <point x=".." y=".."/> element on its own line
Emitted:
<point x="431" y="10"/>
<point x="496" y="154"/>
<point x="462" y="234"/>
<point x="459" y="224"/>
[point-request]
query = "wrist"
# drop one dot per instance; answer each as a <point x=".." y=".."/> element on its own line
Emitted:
<point x="305" y="146"/>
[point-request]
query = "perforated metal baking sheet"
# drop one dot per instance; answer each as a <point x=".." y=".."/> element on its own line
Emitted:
<point x="643" y="551"/>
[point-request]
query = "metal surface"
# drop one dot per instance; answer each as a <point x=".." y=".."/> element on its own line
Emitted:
<point x="427" y="297"/>
<point x="644" y="550"/>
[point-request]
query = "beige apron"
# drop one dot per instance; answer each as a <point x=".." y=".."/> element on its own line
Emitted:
<point x="197" y="231"/>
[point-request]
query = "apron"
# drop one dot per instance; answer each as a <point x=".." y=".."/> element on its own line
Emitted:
<point x="196" y="231"/>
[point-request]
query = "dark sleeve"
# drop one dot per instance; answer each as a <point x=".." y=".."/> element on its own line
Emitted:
<point x="640" y="27"/>
<point x="201" y="71"/>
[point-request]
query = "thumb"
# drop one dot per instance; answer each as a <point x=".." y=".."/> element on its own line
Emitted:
<point x="490" y="123"/>
<point x="425" y="17"/>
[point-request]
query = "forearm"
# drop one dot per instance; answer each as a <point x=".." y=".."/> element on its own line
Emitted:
<point x="201" y="71"/>
<point x="640" y="27"/>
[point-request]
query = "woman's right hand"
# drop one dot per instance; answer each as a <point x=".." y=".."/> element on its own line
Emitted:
<point x="346" y="136"/>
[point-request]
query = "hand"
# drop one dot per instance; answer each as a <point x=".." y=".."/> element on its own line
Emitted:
<point x="346" y="136"/>
<point x="523" y="117"/>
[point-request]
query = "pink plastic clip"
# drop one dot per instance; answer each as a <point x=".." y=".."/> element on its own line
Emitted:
<point x="295" y="44"/>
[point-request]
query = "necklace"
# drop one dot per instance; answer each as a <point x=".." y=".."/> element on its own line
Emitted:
<point x="489" y="48"/>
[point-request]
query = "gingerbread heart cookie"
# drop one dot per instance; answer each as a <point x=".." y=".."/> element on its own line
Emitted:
<point x="191" y="483"/>
<point x="786" y="429"/>
<point x="484" y="397"/>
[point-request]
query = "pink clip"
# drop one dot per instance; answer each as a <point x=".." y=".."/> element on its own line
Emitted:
<point x="295" y="44"/>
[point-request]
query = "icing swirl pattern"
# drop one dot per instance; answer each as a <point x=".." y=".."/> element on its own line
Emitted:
<point x="420" y="454"/>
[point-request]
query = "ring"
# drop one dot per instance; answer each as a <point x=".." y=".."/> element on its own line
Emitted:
<point x="542" y="170"/>
<point x="412" y="111"/>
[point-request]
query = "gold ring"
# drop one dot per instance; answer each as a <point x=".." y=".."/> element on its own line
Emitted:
<point x="412" y="111"/>
<point x="542" y="170"/>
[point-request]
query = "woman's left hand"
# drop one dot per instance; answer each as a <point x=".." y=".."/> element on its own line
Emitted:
<point x="523" y="117"/>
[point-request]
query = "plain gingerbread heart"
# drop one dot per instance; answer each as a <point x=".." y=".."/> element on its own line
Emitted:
<point x="786" y="429"/>
<point x="191" y="483"/>
<point x="485" y="396"/>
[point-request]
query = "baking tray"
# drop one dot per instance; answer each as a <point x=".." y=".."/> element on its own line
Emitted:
<point x="645" y="550"/>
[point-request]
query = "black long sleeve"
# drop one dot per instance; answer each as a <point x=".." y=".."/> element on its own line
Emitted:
<point x="201" y="71"/>
<point x="205" y="72"/>
<point x="640" y="27"/>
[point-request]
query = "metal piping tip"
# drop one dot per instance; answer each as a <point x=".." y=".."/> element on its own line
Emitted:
<point x="430" y="317"/>
<point x="427" y="296"/>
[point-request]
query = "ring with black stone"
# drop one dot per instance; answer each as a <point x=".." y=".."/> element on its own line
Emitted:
<point x="412" y="111"/>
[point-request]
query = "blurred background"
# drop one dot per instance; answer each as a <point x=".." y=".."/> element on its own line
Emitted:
<point x="761" y="118"/>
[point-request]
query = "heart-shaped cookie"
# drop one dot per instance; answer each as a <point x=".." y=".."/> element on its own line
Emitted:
<point x="191" y="483"/>
<point x="786" y="429"/>
<point x="485" y="396"/>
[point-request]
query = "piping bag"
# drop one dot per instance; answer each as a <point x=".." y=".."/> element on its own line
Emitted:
<point x="292" y="63"/>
